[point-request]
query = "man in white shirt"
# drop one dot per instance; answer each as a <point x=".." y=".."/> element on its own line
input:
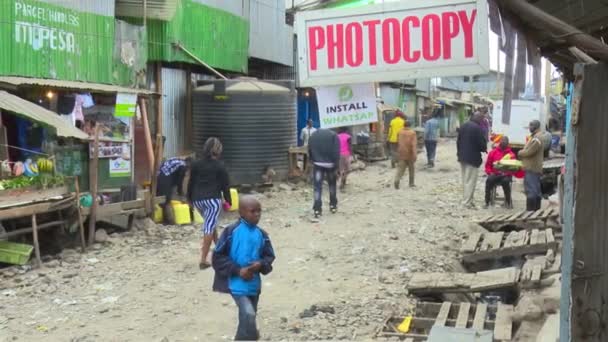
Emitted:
<point x="307" y="132"/>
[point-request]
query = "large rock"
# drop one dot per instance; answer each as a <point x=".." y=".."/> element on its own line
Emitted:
<point x="101" y="236"/>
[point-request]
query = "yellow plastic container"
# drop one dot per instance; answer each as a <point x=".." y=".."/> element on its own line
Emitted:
<point x="181" y="212"/>
<point x="234" y="195"/>
<point x="198" y="219"/>
<point x="158" y="214"/>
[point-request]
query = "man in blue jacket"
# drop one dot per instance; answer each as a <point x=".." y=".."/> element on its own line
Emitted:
<point x="241" y="254"/>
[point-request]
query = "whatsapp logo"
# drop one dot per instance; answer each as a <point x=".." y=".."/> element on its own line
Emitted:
<point x="345" y="93"/>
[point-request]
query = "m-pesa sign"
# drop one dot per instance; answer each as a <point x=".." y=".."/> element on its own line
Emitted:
<point x="393" y="41"/>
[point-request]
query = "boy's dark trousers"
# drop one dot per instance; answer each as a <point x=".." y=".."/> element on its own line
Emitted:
<point x="248" y="308"/>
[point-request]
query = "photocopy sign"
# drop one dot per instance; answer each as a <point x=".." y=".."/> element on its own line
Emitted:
<point x="393" y="41"/>
<point x="346" y="105"/>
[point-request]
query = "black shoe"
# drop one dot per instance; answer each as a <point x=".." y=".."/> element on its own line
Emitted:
<point x="333" y="209"/>
<point x="318" y="213"/>
<point x="396" y="185"/>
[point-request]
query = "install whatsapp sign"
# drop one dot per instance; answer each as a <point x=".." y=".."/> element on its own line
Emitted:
<point x="346" y="105"/>
<point x="49" y="41"/>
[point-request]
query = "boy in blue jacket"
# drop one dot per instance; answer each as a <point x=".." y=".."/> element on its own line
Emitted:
<point x="241" y="254"/>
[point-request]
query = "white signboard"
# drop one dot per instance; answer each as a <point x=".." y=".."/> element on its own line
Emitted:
<point x="346" y="105"/>
<point x="393" y="41"/>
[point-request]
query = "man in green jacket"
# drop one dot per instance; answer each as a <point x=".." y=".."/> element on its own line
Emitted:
<point x="532" y="157"/>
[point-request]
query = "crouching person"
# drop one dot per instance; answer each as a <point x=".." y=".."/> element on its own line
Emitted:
<point x="242" y="253"/>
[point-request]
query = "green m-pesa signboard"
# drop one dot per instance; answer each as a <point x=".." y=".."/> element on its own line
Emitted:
<point x="48" y="41"/>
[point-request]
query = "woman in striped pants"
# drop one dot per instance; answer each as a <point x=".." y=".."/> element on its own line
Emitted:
<point x="208" y="182"/>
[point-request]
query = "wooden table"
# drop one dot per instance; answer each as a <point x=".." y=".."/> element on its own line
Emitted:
<point x="32" y="210"/>
<point x="294" y="153"/>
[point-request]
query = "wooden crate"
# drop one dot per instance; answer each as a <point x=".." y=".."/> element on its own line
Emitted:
<point x="520" y="218"/>
<point x="485" y="246"/>
<point x="479" y="316"/>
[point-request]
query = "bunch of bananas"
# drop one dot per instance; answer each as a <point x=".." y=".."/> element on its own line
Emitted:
<point x="45" y="165"/>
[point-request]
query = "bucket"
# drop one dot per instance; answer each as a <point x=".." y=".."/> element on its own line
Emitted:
<point x="234" y="195"/>
<point x="158" y="214"/>
<point x="197" y="218"/>
<point x="181" y="212"/>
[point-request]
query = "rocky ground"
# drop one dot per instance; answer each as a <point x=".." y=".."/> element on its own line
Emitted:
<point x="335" y="279"/>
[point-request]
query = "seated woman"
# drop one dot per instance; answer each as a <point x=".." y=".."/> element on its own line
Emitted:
<point x="497" y="177"/>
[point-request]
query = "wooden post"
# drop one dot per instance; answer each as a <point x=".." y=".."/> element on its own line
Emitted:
<point x="189" y="119"/>
<point x="158" y="153"/>
<point x="83" y="243"/>
<point x="36" y="243"/>
<point x="147" y="135"/>
<point x="93" y="178"/>
<point x="157" y="159"/>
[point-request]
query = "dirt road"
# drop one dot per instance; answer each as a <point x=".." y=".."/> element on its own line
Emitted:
<point x="335" y="279"/>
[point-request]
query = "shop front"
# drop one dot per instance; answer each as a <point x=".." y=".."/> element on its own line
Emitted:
<point x="66" y="149"/>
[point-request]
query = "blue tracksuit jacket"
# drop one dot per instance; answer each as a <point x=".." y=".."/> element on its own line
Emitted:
<point x="240" y="245"/>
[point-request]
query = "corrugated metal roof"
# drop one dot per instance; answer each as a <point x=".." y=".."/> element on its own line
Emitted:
<point x="39" y="114"/>
<point x="94" y="87"/>
<point x="155" y="9"/>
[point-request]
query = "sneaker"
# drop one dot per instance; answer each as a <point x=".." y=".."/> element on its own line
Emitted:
<point x="333" y="209"/>
<point x="317" y="213"/>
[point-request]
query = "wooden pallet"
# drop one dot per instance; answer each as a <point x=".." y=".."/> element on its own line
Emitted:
<point x="484" y="246"/>
<point x="494" y="222"/>
<point x="480" y="316"/>
<point x="440" y="283"/>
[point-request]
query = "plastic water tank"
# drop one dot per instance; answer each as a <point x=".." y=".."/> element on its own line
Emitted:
<point x="254" y="119"/>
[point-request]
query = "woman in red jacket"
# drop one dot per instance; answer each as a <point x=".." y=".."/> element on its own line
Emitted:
<point x="498" y="177"/>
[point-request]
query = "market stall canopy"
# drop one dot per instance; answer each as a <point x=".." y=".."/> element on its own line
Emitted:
<point x="39" y="114"/>
<point x="93" y="87"/>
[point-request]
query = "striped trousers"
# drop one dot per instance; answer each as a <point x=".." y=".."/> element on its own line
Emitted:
<point x="210" y="211"/>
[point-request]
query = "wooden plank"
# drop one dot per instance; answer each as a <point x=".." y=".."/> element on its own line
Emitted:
<point x="480" y="316"/>
<point x="93" y="185"/>
<point x="463" y="315"/>
<point x="489" y="219"/>
<point x="525" y="216"/>
<point x="495" y="279"/>
<point x="534" y="237"/>
<point x="36" y="242"/>
<point x="546" y="213"/>
<point x="115" y="208"/>
<point x="442" y="317"/>
<point x="506" y="252"/>
<point x="536" y="272"/>
<point x="515" y="238"/>
<point x="549" y="236"/>
<point x="515" y="216"/>
<point x="536" y="214"/>
<point x="27" y="230"/>
<point x="491" y="241"/>
<point x="503" y="328"/>
<point x="471" y="244"/>
<point x="409" y="339"/>
<point x="83" y="244"/>
<point x="500" y="218"/>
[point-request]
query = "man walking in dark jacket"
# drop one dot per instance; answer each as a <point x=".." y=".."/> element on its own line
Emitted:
<point x="324" y="152"/>
<point x="470" y="145"/>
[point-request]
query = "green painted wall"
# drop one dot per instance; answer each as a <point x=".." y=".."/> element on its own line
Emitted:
<point x="48" y="41"/>
<point x="219" y="38"/>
